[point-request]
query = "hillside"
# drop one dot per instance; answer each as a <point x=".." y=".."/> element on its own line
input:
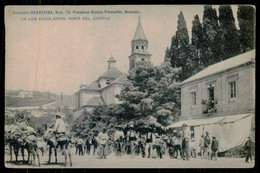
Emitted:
<point x="20" y="98"/>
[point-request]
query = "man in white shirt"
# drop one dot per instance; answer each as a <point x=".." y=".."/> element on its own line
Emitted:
<point x="59" y="126"/>
<point x="80" y="145"/>
<point x="118" y="138"/>
<point x="103" y="139"/>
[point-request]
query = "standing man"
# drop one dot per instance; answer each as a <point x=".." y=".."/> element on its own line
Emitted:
<point x="87" y="145"/>
<point x="214" y="148"/>
<point x="201" y="145"/>
<point x="76" y="145"/>
<point x="249" y="148"/>
<point x="80" y="145"/>
<point x="103" y="139"/>
<point x="132" y="139"/>
<point x="149" y="141"/>
<point x="185" y="141"/>
<point x="177" y="144"/>
<point x="94" y="143"/>
<point x="118" y="138"/>
<point x="207" y="146"/>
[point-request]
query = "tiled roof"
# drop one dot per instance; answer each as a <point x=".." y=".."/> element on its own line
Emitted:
<point x="95" y="101"/>
<point x="139" y="33"/>
<point x="92" y="86"/>
<point x="224" y="65"/>
<point x="122" y="79"/>
<point x="111" y="73"/>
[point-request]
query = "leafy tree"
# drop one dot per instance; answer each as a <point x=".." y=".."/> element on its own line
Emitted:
<point x="229" y="33"/>
<point x="152" y="91"/>
<point x="246" y="18"/>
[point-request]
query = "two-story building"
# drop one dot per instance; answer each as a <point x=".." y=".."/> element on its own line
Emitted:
<point x="221" y="99"/>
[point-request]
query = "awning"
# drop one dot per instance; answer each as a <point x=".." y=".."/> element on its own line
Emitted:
<point x="231" y="131"/>
<point x="207" y="121"/>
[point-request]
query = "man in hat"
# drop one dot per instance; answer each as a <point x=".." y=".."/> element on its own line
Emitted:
<point x="249" y="148"/>
<point x="103" y="139"/>
<point x="207" y="146"/>
<point x="158" y="144"/>
<point x="132" y="139"/>
<point x="201" y="145"/>
<point x="185" y="142"/>
<point x="59" y="126"/>
<point x="149" y="140"/>
<point x="214" y="148"/>
<point x="80" y="145"/>
<point x="177" y="144"/>
<point x="118" y="138"/>
<point x="94" y="142"/>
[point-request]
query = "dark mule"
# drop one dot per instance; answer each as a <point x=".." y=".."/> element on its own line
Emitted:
<point x="29" y="143"/>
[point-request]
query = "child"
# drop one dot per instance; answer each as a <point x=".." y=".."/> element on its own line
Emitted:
<point x="214" y="148"/>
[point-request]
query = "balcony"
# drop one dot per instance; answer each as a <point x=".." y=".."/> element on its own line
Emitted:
<point x="209" y="107"/>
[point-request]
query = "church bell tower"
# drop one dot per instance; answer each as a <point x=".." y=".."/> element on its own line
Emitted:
<point x="139" y="47"/>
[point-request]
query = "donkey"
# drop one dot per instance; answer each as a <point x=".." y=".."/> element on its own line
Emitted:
<point x="54" y="142"/>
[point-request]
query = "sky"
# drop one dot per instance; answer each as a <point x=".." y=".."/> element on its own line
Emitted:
<point x="59" y="56"/>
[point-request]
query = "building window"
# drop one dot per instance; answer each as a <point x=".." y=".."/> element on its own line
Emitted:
<point x="136" y="47"/>
<point x="233" y="92"/>
<point x="211" y="93"/>
<point x="142" y="47"/>
<point x="193" y="98"/>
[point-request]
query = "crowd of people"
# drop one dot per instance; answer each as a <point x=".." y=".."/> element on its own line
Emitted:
<point x="148" y="143"/>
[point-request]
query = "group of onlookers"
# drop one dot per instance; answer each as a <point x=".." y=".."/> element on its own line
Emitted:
<point x="151" y="144"/>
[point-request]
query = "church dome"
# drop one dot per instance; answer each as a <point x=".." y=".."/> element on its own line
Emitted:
<point x="111" y="73"/>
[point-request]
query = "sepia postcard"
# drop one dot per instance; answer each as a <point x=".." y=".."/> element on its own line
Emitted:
<point x="130" y="86"/>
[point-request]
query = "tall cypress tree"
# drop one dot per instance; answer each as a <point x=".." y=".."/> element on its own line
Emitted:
<point x="210" y="27"/>
<point x="197" y="37"/>
<point x="167" y="56"/>
<point x="182" y="32"/>
<point x="174" y="52"/>
<point x="181" y="53"/>
<point x="182" y="37"/>
<point x="246" y="19"/>
<point x="229" y="32"/>
<point x="211" y="14"/>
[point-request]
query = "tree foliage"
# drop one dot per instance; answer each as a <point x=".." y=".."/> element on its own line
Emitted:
<point x="213" y="40"/>
<point x="229" y="33"/>
<point x="182" y="54"/>
<point x="246" y="19"/>
<point x="152" y="90"/>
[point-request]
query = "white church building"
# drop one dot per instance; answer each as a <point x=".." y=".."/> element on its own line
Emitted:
<point x="103" y="91"/>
